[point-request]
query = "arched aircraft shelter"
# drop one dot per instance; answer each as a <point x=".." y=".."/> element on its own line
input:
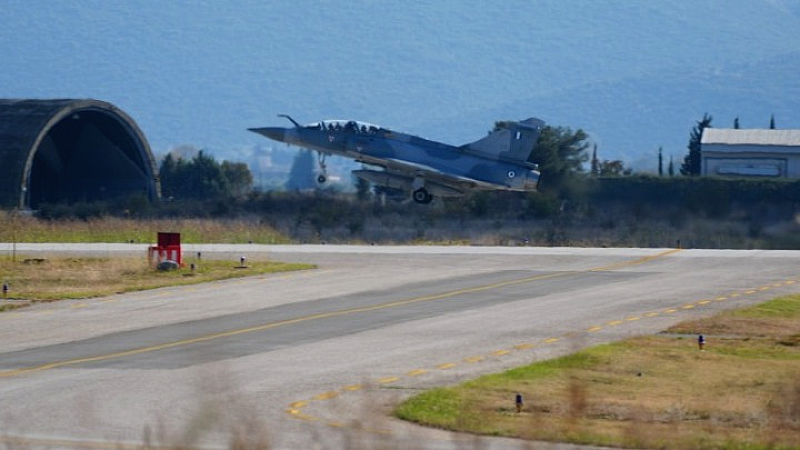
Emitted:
<point x="71" y="150"/>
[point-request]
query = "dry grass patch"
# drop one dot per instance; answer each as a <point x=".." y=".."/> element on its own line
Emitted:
<point x="60" y="278"/>
<point x="742" y="392"/>
<point x="110" y="229"/>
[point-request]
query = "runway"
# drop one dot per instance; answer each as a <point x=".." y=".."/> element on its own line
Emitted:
<point x="316" y="359"/>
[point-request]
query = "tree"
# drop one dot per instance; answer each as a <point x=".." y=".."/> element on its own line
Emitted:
<point x="692" y="161"/>
<point x="613" y="168"/>
<point x="203" y="177"/>
<point x="238" y="177"/>
<point x="736" y="123"/>
<point x="660" y="163"/>
<point x="595" y="162"/>
<point x="671" y="169"/>
<point x="772" y="122"/>
<point x="301" y="175"/>
<point x="560" y="154"/>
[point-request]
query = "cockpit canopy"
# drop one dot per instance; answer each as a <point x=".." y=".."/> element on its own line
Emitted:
<point x="351" y="126"/>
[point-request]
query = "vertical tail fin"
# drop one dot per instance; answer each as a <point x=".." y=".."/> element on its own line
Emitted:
<point x="514" y="142"/>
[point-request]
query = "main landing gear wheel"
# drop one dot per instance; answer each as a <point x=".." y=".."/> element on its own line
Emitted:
<point x="422" y="196"/>
<point x="321" y="179"/>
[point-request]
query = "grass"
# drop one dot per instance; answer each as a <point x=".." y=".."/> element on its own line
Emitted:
<point x="741" y="392"/>
<point x="18" y="228"/>
<point x="33" y="280"/>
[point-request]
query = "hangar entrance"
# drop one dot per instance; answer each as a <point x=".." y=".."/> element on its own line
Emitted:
<point x="89" y="155"/>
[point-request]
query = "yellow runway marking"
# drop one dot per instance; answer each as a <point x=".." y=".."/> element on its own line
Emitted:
<point x="614" y="323"/>
<point x="326" y="395"/>
<point x="652" y="314"/>
<point x="704" y="302"/>
<point x="764" y="288"/>
<point x="353" y="387"/>
<point x="294" y="411"/>
<point x="632" y="319"/>
<point x="670" y="311"/>
<point x="688" y="306"/>
<point x="634" y="262"/>
<point x="750" y="292"/>
<point x="735" y="294"/>
<point x="225" y="334"/>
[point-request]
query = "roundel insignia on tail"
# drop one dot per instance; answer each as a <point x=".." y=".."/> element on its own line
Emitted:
<point x="512" y="174"/>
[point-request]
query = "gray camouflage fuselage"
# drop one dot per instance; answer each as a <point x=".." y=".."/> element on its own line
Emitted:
<point x="425" y="167"/>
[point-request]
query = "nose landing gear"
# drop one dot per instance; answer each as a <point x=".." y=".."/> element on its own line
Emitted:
<point x="323" y="176"/>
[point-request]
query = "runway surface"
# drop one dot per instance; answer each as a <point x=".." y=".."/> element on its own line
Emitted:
<point x="317" y="359"/>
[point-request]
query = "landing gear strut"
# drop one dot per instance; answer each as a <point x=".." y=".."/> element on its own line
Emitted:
<point x="422" y="196"/>
<point x="323" y="176"/>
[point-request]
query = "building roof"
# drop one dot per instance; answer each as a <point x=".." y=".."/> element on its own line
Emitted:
<point x="788" y="138"/>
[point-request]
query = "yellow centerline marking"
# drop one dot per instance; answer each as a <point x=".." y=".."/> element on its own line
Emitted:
<point x="652" y="314"/>
<point x="225" y="334"/>
<point x="294" y="411"/>
<point x="326" y="395"/>
<point x="614" y="323"/>
<point x="704" y="302"/>
<point x="632" y="319"/>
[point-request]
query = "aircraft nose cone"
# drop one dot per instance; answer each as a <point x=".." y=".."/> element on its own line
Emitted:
<point x="274" y="133"/>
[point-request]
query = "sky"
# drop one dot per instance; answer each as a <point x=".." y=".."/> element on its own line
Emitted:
<point x="634" y="75"/>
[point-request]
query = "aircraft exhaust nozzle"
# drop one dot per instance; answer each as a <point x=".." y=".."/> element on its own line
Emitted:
<point x="274" y="133"/>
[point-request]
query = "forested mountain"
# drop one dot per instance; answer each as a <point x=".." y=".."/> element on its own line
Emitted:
<point x="635" y="76"/>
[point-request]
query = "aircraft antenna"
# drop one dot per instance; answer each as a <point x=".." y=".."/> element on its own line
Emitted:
<point x="289" y="117"/>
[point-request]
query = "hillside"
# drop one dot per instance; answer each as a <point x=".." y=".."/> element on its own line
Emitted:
<point x="635" y="75"/>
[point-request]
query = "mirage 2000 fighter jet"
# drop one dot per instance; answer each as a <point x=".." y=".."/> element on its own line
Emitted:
<point x="420" y="166"/>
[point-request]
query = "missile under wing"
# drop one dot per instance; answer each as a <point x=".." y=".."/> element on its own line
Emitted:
<point x="420" y="166"/>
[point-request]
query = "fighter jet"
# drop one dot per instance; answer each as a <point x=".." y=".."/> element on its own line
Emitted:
<point x="420" y="166"/>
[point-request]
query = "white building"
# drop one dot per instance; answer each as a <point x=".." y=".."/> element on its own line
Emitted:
<point x="762" y="153"/>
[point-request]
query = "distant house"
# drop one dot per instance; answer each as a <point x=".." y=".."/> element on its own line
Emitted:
<point x="758" y="153"/>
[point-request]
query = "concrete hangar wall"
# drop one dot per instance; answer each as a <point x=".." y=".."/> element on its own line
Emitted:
<point x="750" y="152"/>
<point x="71" y="150"/>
